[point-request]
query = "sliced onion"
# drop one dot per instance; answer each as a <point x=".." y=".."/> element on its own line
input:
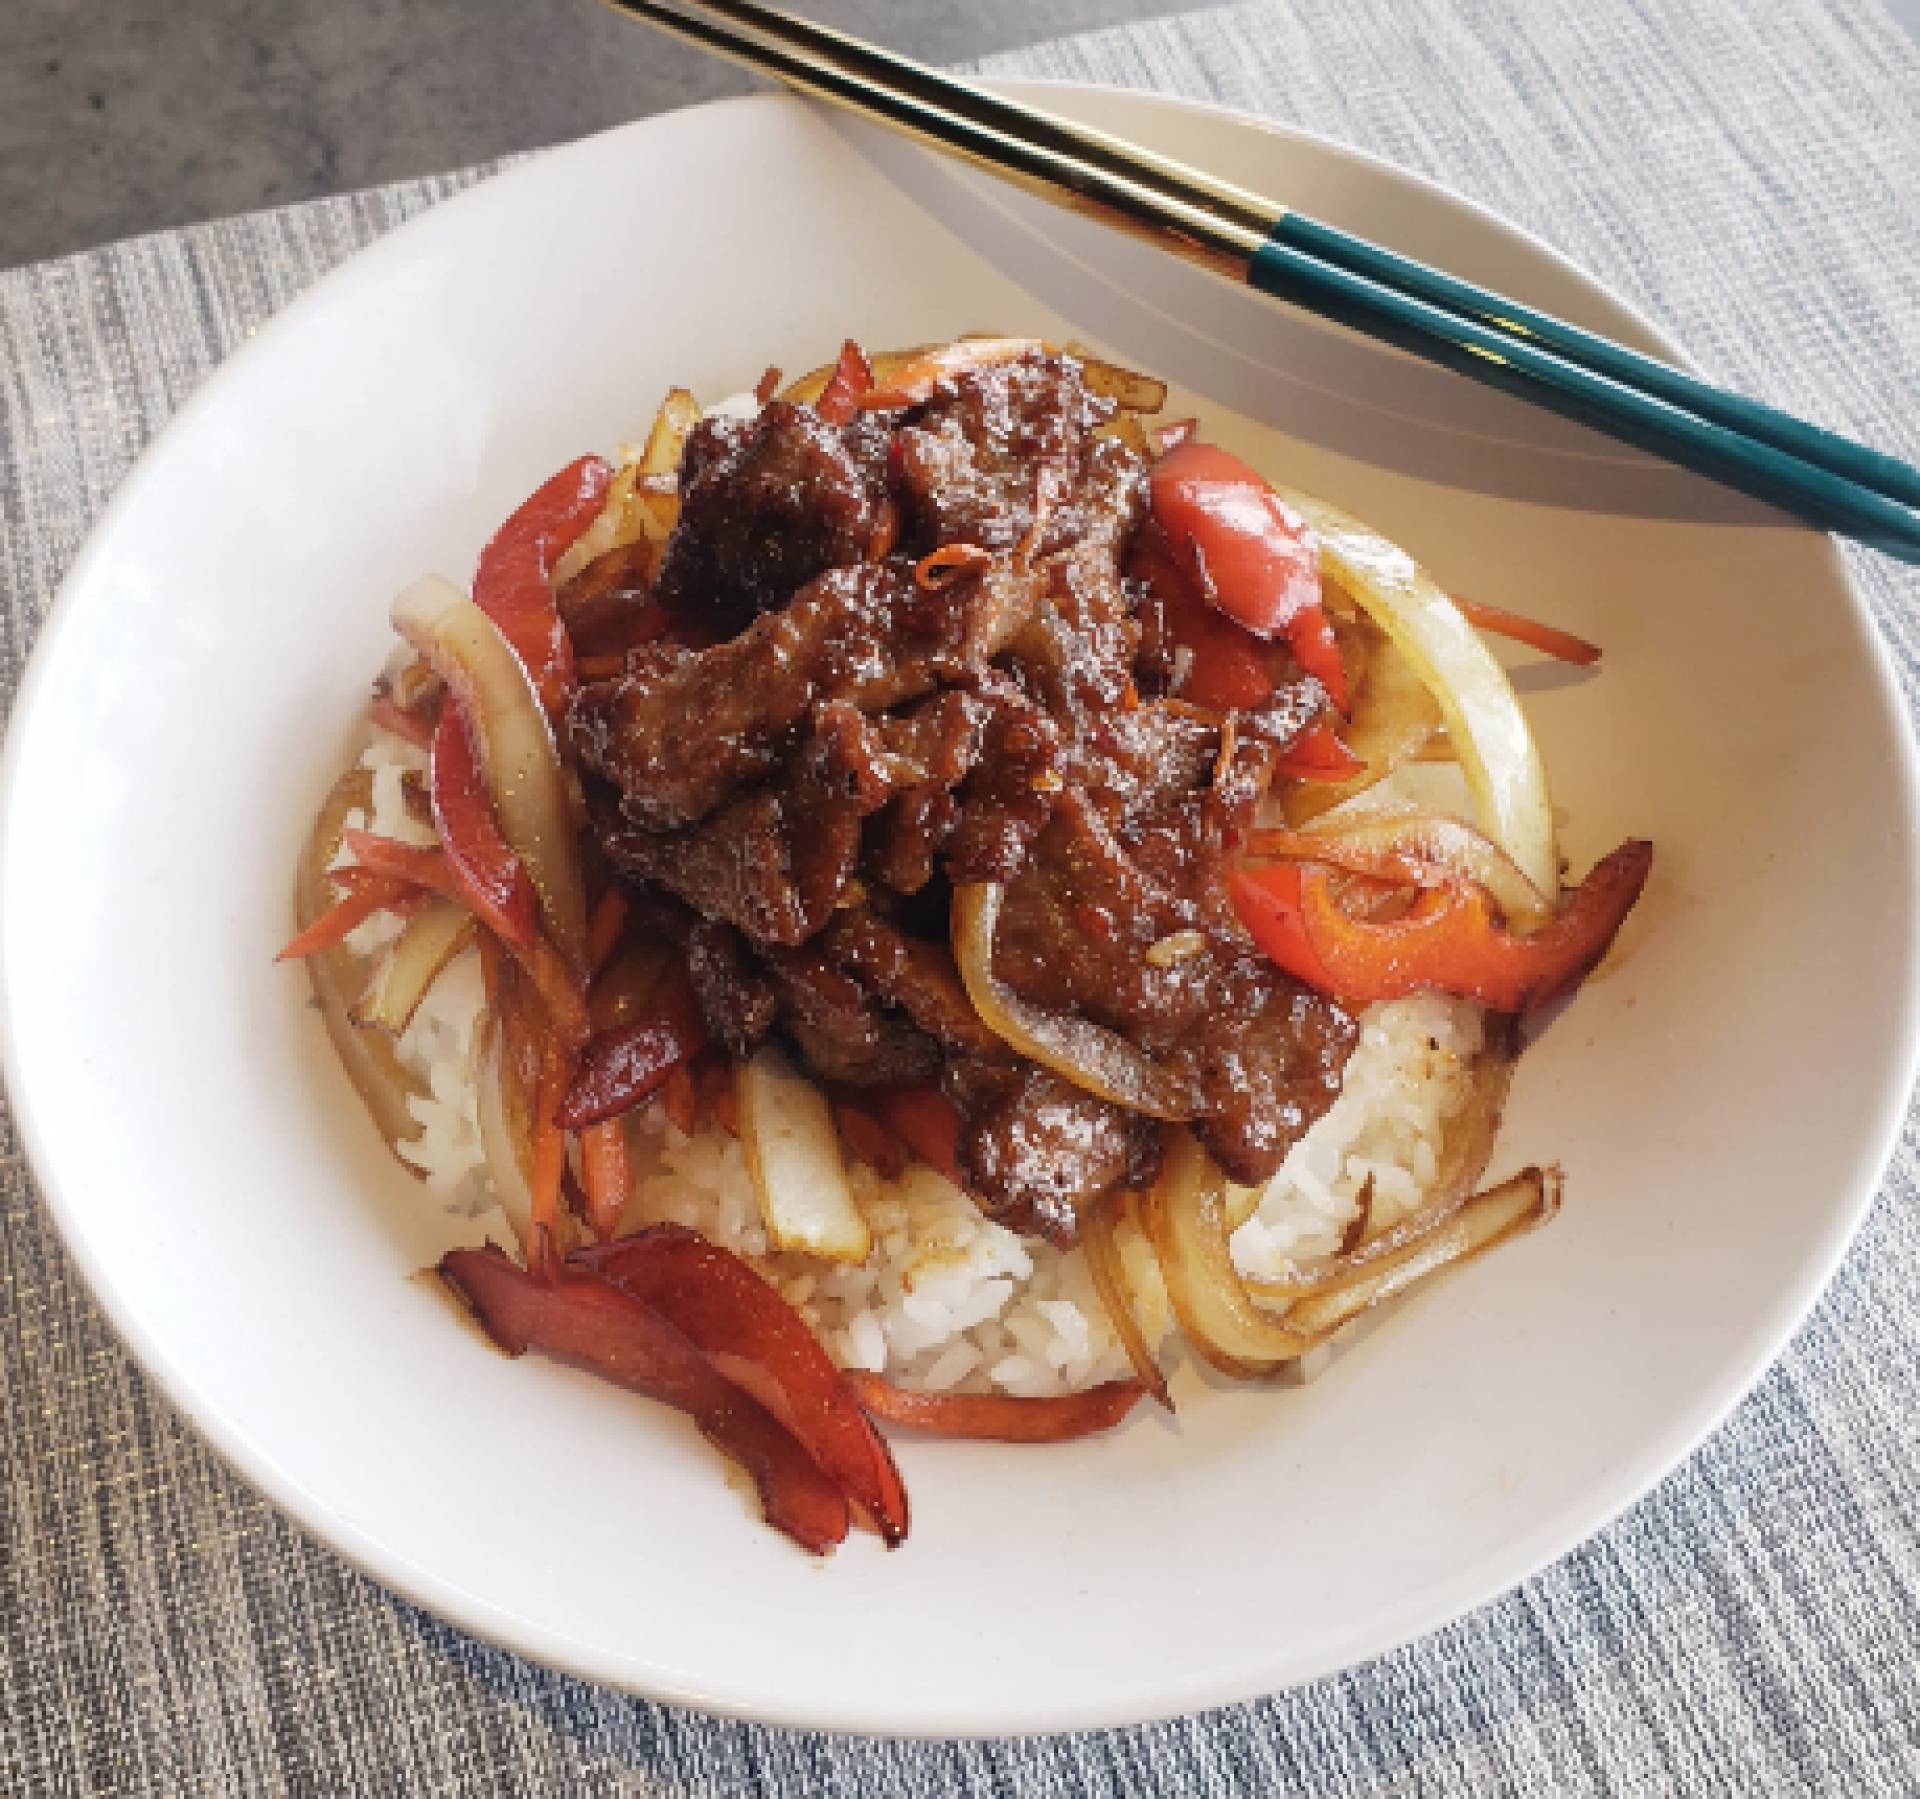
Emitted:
<point x="1241" y="1203"/>
<point x="338" y="974"/>
<point x="1089" y="1055"/>
<point x="1531" y="1197"/>
<point x="516" y="747"/>
<point x="410" y="965"/>
<point x="1186" y="1221"/>
<point x="793" y="1155"/>
<point x="672" y="426"/>
<point x="1127" y="388"/>
<point x="1097" y="1237"/>
<point x="1466" y="1144"/>
<point x="1416" y="846"/>
<point x="1394" y="719"/>
<point x="1127" y="427"/>
<point x="624" y="519"/>
<point x="502" y="1137"/>
<point x="1484" y="722"/>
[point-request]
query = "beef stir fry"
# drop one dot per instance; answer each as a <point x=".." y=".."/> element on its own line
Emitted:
<point x="922" y="662"/>
<point x="939" y="763"/>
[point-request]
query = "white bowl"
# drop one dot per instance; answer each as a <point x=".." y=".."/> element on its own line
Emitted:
<point x="1722" y="1096"/>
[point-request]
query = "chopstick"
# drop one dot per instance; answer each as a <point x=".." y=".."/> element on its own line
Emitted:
<point x="1826" y="479"/>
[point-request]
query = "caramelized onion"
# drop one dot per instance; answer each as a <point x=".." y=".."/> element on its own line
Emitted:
<point x="672" y="425"/>
<point x="1186" y="1221"/>
<point x="503" y="1136"/>
<point x="1394" y="719"/>
<point x="638" y="506"/>
<point x="411" y="964"/>
<point x="1483" y="718"/>
<point x="793" y="1155"/>
<point x="1531" y="1197"/>
<point x="1416" y="847"/>
<point x="1127" y="388"/>
<point x="1089" y="1055"/>
<point x="517" y="752"/>
<point x="338" y="975"/>
<point x="1097" y="1238"/>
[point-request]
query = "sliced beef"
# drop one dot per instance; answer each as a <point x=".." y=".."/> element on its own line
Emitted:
<point x="682" y="730"/>
<point x="1009" y="796"/>
<point x="1076" y="653"/>
<point x="775" y="859"/>
<point x="994" y="450"/>
<point x="935" y="747"/>
<point x="857" y="743"/>
<point x="1141" y="943"/>
<point x="737" y="1000"/>
<point x="766" y="505"/>
<point x="1037" y="1151"/>
<point x="917" y="976"/>
<point x="844" y="1033"/>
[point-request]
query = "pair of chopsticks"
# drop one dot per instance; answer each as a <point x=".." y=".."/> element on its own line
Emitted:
<point x="1828" y="480"/>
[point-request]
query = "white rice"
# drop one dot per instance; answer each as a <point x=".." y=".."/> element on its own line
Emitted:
<point x="949" y="1300"/>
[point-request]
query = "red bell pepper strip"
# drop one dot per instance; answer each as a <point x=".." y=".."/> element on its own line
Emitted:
<point x="1317" y="754"/>
<point x="1226" y="666"/>
<point x="852" y="376"/>
<point x="1449" y="941"/>
<point x="1248" y="552"/>
<point x="727" y="1309"/>
<point x="926" y="1121"/>
<point x="494" y="880"/>
<point x="1227" y="670"/>
<point x="513" y="584"/>
<point x="1549" y="640"/>
<point x="999" y="1417"/>
<point x="621" y="1066"/>
<point x="579" y="1318"/>
<point x="363" y="898"/>
<point x="913" y="381"/>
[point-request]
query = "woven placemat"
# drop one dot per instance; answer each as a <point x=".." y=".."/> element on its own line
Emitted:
<point x="1747" y="174"/>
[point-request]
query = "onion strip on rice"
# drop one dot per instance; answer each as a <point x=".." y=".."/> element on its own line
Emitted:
<point x="411" y="964"/>
<point x="1531" y="1197"/>
<point x="339" y="976"/>
<point x="1186" y="1222"/>
<point x="1466" y="1146"/>
<point x="1102" y="1251"/>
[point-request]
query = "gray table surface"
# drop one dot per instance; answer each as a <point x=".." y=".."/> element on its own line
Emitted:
<point x="118" y="119"/>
